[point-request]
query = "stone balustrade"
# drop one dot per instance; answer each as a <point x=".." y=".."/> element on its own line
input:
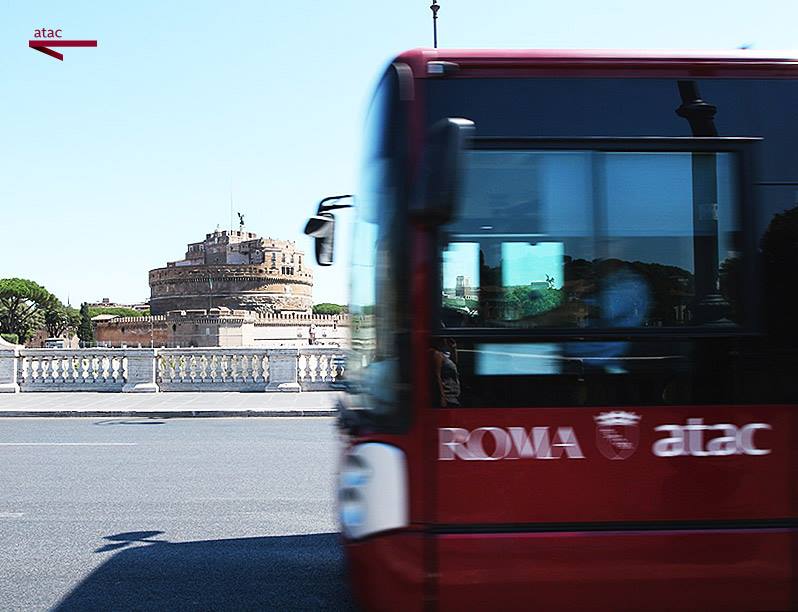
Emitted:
<point x="142" y="370"/>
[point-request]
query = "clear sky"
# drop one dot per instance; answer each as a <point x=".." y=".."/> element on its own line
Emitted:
<point x="115" y="158"/>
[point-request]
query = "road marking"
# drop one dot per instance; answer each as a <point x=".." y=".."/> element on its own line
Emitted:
<point x="10" y="515"/>
<point x="68" y="443"/>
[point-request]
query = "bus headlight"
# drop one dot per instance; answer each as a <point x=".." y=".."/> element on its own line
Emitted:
<point x="372" y="490"/>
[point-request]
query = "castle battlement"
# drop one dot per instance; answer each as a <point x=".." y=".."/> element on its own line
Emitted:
<point x="236" y="270"/>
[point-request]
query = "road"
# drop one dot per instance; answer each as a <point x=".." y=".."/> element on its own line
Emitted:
<point x="169" y="514"/>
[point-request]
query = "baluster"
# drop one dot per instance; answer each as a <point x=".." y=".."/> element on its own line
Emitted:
<point x="115" y="368"/>
<point x="73" y="369"/>
<point x="265" y="367"/>
<point x="251" y="372"/>
<point x="192" y="368"/>
<point x="56" y="369"/>
<point x="108" y="368"/>
<point x="172" y="364"/>
<point x="214" y="366"/>
<point x="160" y="368"/>
<point x="66" y="368"/>
<point x="33" y="368"/>
<point x="313" y="365"/>
<point x="182" y="368"/>
<point x="257" y="365"/>
<point x="46" y="369"/>
<point x="323" y="367"/>
<point x="223" y="368"/>
<point x="203" y="367"/>
<point x="303" y="367"/>
<point x="233" y="367"/>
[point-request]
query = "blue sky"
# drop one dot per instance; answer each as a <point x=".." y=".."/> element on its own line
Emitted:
<point x="114" y="159"/>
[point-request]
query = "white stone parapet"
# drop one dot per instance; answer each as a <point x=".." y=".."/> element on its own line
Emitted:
<point x="95" y="369"/>
<point x="140" y="370"/>
<point x="9" y="361"/>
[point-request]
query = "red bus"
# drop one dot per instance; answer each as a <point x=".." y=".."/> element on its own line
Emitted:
<point x="572" y="382"/>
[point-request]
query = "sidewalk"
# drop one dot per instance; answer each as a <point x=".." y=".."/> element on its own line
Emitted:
<point x="173" y="404"/>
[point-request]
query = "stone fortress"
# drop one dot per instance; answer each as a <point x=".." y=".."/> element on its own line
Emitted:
<point x="233" y="289"/>
<point x="235" y="270"/>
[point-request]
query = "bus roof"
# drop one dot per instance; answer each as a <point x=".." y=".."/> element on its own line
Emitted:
<point x="591" y="62"/>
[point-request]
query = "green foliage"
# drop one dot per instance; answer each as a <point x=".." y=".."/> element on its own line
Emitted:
<point x="22" y="306"/>
<point x="60" y="320"/>
<point x="780" y="241"/>
<point x="459" y="303"/>
<point x="119" y="311"/>
<point x="85" y="329"/>
<point x="12" y="338"/>
<point x="326" y="308"/>
<point x="523" y="301"/>
<point x="780" y="254"/>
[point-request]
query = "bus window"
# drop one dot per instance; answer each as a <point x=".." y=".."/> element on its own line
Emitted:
<point x="609" y="239"/>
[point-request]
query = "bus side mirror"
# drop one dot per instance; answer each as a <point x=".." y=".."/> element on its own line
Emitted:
<point x="322" y="228"/>
<point x="441" y="170"/>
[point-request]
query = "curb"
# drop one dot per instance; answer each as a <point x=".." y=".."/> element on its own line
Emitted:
<point x="174" y="414"/>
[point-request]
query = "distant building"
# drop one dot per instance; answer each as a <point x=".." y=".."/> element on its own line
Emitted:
<point x="462" y="287"/>
<point x="222" y="327"/>
<point x="107" y="303"/>
<point x="235" y="270"/>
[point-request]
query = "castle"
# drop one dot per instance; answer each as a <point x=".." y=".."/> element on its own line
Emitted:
<point x="232" y="289"/>
<point x="235" y="270"/>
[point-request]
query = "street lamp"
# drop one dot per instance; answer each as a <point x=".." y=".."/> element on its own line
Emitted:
<point x="435" y="7"/>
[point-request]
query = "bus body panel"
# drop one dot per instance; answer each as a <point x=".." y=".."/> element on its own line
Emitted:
<point x="614" y="571"/>
<point x="387" y="572"/>
<point x="537" y="481"/>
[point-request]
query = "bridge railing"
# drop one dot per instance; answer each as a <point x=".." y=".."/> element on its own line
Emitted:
<point x="145" y="370"/>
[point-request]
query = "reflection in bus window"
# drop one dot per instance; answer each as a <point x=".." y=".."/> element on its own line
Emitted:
<point x="574" y="239"/>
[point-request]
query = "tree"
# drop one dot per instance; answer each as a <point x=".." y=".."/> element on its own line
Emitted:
<point x="120" y="311"/>
<point x="85" y="329"/>
<point x="22" y="306"/>
<point x="780" y="258"/>
<point x="61" y="319"/>
<point x="326" y="308"/>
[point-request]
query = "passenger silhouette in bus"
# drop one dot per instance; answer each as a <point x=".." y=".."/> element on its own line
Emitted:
<point x="622" y="299"/>
<point x="447" y="378"/>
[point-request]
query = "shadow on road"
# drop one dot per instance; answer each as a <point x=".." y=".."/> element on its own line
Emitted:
<point x="269" y="573"/>
<point x="146" y="421"/>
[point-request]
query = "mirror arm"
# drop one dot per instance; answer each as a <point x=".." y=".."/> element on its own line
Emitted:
<point x="324" y="206"/>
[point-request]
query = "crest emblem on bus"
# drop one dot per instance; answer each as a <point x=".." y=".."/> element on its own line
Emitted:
<point x="617" y="433"/>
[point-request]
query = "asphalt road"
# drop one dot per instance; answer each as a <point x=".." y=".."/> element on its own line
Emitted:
<point x="177" y="514"/>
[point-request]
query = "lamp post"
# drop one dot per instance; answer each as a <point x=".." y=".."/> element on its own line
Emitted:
<point x="435" y="7"/>
<point x="709" y="305"/>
